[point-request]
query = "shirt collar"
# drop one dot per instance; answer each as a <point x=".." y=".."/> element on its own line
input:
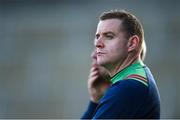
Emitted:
<point x="126" y="71"/>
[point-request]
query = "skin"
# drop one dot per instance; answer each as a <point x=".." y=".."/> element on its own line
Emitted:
<point x="99" y="80"/>
<point x="113" y="52"/>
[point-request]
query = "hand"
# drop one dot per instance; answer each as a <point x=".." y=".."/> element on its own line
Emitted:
<point x="98" y="81"/>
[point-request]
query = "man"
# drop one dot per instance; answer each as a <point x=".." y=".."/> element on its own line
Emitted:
<point x="133" y="92"/>
<point x="99" y="79"/>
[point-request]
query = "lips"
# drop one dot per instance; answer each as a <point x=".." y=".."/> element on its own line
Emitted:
<point x="100" y="53"/>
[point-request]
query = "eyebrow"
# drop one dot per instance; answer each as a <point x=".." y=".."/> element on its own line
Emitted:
<point x="105" y="33"/>
<point x="109" y="32"/>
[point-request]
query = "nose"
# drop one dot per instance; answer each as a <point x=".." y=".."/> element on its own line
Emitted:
<point x="99" y="43"/>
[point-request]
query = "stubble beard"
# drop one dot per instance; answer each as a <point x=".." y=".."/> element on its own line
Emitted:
<point x="104" y="62"/>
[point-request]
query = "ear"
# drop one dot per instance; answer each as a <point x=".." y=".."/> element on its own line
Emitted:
<point x="133" y="43"/>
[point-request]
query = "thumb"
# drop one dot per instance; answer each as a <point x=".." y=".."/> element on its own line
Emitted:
<point x="94" y="57"/>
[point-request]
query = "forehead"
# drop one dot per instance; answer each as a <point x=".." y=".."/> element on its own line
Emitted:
<point x="109" y="25"/>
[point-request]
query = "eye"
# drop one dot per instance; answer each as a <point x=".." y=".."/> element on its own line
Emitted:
<point x="109" y="36"/>
<point x="97" y="36"/>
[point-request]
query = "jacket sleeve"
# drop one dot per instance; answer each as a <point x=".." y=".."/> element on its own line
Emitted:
<point x="90" y="111"/>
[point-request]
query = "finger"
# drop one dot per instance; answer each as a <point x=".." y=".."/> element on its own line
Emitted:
<point x="94" y="55"/>
<point x="94" y="73"/>
<point x="94" y="64"/>
<point x="94" y="69"/>
<point x="92" y="80"/>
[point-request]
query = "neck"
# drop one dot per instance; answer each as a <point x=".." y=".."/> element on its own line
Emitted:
<point x="121" y="65"/>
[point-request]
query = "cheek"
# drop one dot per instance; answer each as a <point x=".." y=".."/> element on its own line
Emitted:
<point x="118" y="50"/>
<point x="115" y="48"/>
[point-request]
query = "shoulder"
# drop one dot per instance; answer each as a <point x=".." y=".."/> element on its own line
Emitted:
<point x="127" y="89"/>
<point x="124" y="97"/>
<point x="128" y="84"/>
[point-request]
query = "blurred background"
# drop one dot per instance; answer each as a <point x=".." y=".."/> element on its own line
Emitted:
<point x="45" y="48"/>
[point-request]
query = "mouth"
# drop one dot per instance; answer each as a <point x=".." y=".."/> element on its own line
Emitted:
<point x="100" y="53"/>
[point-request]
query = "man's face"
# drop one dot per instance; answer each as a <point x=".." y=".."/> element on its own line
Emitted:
<point x="111" y="43"/>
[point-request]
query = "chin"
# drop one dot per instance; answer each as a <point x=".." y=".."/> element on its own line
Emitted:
<point x="101" y="62"/>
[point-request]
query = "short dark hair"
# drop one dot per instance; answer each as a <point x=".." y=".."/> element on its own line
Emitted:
<point x="130" y="23"/>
